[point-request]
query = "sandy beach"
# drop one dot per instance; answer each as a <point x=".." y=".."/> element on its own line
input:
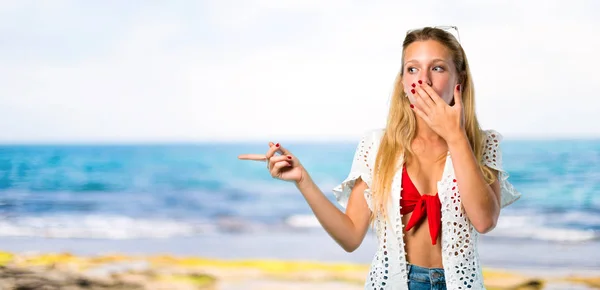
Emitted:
<point x="295" y="261"/>
<point x="67" y="271"/>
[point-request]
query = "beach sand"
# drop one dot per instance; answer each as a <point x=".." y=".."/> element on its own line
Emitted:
<point x="61" y="270"/>
<point x="307" y="260"/>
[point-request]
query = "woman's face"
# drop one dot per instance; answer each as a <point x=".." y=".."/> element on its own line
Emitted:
<point x="430" y="62"/>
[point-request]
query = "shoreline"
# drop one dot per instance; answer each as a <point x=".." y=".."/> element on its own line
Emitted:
<point x="313" y="245"/>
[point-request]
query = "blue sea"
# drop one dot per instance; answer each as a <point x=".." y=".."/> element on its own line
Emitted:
<point x="121" y="192"/>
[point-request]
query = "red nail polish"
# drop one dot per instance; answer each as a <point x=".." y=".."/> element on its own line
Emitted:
<point x="412" y="106"/>
<point x="413" y="85"/>
<point x="458" y="87"/>
<point x="289" y="157"/>
<point x="420" y="82"/>
<point x="277" y="145"/>
<point x="412" y="91"/>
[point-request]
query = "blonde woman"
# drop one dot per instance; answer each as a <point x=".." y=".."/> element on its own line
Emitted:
<point x="429" y="183"/>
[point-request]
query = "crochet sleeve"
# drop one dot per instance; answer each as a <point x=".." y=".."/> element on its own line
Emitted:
<point x="364" y="158"/>
<point x="492" y="157"/>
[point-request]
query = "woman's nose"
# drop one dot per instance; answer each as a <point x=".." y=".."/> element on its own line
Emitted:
<point x="425" y="79"/>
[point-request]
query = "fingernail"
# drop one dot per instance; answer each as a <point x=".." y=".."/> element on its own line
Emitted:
<point x="420" y="82"/>
<point x="458" y="87"/>
<point x="413" y="85"/>
<point x="412" y="91"/>
<point x="277" y="145"/>
<point x="289" y="157"/>
<point x="412" y="106"/>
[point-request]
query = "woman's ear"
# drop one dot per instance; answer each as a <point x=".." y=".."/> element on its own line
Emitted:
<point x="461" y="81"/>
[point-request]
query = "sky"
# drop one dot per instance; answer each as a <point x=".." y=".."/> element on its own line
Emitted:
<point x="269" y="70"/>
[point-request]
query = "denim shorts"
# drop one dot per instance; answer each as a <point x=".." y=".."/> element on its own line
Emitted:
<point x="420" y="278"/>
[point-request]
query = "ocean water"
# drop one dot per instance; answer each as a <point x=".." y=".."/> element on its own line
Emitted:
<point x="191" y="190"/>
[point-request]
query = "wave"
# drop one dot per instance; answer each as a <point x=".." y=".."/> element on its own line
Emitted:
<point x="118" y="227"/>
<point x="548" y="234"/>
<point x="572" y="227"/>
<point x="521" y="227"/>
<point x="98" y="227"/>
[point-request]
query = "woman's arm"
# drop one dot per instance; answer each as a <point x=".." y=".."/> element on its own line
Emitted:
<point x="480" y="200"/>
<point x="347" y="229"/>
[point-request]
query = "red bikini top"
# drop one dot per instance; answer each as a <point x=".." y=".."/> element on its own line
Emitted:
<point x="423" y="205"/>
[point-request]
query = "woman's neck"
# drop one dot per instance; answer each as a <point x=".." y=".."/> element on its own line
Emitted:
<point x="425" y="133"/>
<point x="427" y="143"/>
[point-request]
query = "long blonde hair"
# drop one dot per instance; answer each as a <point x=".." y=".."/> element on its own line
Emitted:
<point x="401" y="124"/>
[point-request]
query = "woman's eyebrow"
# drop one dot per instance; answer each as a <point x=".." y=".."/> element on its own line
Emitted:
<point x="434" y="60"/>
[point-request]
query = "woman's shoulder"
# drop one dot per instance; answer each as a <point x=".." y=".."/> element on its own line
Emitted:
<point x="493" y="158"/>
<point x="491" y="135"/>
<point x="367" y="147"/>
<point x="372" y="135"/>
<point x="491" y="140"/>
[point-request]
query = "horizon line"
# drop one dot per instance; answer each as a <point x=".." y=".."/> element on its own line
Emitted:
<point x="507" y="138"/>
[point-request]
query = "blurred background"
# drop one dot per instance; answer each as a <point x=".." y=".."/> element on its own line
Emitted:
<point x="123" y="121"/>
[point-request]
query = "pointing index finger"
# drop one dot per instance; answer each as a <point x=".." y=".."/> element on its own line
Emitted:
<point x="254" y="157"/>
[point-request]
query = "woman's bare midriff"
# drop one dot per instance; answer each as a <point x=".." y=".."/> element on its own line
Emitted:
<point x="418" y="247"/>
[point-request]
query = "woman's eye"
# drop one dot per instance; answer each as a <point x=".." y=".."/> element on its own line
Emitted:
<point x="438" y="68"/>
<point x="411" y="70"/>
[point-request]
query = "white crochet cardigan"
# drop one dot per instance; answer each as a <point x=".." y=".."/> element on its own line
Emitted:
<point x="459" y="238"/>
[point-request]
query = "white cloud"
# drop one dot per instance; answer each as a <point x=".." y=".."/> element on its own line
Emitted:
<point x="285" y="69"/>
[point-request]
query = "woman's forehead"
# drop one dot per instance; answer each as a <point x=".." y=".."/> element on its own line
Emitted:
<point x="426" y="51"/>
